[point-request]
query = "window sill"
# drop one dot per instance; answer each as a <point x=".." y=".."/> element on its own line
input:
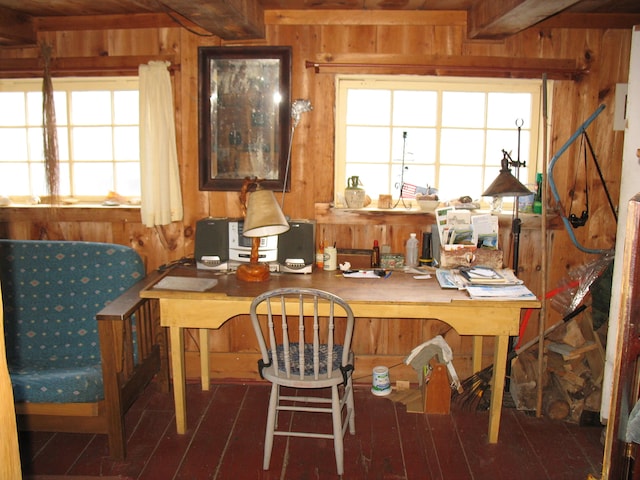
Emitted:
<point x="326" y="214"/>
<point x="78" y="212"/>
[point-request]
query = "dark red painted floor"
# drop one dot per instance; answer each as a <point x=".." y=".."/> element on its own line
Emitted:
<point x="225" y="440"/>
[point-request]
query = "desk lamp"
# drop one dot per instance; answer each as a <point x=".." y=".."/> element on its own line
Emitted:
<point x="263" y="218"/>
<point x="506" y="185"/>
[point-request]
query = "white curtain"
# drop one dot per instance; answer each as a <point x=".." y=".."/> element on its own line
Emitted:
<point x="159" y="174"/>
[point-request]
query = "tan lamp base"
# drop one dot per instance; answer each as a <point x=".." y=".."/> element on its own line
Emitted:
<point x="253" y="272"/>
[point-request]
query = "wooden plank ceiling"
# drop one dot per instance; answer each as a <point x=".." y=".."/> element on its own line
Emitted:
<point x="20" y="20"/>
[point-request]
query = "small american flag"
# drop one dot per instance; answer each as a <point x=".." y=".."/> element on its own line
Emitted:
<point x="410" y="191"/>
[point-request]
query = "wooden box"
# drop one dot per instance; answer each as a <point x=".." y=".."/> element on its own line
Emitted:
<point x="436" y="392"/>
<point x="358" y="258"/>
<point x="471" y="256"/>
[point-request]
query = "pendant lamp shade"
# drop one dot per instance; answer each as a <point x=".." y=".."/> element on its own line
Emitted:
<point x="506" y="185"/>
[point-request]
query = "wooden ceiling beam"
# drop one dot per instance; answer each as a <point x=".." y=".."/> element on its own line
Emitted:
<point x="488" y="19"/>
<point x="228" y="19"/>
<point x="16" y="28"/>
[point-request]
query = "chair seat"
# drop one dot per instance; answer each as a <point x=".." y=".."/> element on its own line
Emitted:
<point x="57" y="385"/>
<point x="323" y="352"/>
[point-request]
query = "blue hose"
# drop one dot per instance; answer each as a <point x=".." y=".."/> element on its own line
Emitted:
<point x="554" y="189"/>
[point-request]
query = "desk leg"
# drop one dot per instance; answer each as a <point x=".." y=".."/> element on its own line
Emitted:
<point x="497" y="386"/>
<point x="477" y="353"/>
<point x="205" y="376"/>
<point x="177" y="365"/>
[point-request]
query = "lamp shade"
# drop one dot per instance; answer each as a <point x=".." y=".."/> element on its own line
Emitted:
<point x="506" y="185"/>
<point x="264" y="216"/>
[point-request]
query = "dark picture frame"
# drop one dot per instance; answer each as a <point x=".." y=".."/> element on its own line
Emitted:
<point x="244" y="104"/>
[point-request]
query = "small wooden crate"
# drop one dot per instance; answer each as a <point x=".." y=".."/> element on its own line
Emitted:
<point x="470" y="257"/>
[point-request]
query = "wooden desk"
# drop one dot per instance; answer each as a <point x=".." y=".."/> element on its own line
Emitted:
<point x="399" y="296"/>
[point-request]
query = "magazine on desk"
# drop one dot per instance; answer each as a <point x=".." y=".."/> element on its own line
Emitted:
<point x="509" y="288"/>
<point x="509" y="292"/>
<point x="462" y="277"/>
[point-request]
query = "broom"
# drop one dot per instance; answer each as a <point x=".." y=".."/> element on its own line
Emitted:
<point x="474" y="388"/>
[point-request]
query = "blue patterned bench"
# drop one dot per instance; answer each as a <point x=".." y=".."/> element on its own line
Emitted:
<point x="79" y="338"/>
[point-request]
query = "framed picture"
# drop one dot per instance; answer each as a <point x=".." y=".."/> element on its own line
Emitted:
<point x="244" y="116"/>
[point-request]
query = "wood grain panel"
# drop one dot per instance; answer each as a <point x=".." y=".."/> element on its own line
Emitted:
<point x="605" y="52"/>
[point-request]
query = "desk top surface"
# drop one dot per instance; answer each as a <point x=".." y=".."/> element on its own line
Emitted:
<point x="398" y="288"/>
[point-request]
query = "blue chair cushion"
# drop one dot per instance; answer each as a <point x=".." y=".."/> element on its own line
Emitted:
<point x="52" y="291"/>
<point x="294" y="353"/>
<point x="42" y="383"/>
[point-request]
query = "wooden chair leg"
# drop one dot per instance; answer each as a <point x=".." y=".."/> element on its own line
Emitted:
<point x="271" y="425"/>
<point x="351" y="410"/>
<point x="336" y="413"/>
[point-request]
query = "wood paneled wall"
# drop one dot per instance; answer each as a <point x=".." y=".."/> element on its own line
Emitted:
<point x="605" y="53"/>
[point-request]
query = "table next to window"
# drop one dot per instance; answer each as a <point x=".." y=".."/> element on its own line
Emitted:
<point x="399" y="296"/>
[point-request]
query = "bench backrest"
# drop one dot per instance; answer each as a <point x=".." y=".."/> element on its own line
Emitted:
<point x="52" y="291"/>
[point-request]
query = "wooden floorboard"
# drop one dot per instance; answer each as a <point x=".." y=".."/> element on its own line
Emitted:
<point x="225" y="440"/>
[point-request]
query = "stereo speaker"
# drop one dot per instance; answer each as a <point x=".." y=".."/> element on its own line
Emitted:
<point x="297" y="245"/>
<point x="435" y="244"/>
<point x="212" y="242"/>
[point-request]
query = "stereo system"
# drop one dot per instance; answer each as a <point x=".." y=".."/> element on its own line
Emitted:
<point x="220" y="245"/>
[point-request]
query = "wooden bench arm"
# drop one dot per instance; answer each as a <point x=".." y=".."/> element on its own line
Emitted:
<point x="127" y="303"/>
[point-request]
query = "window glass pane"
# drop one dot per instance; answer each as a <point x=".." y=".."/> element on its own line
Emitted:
<point x="126" y="143"/>
<point x="14" y="144"/>
<point x="505" y="108"/>
<point x="36" y="144"/>
<point x="128" y="178"/>
<point x="34" y="107"/>
<point x="374" y="177"/>
<point x="92" y="143"/>
<point x="368" y="107"/>
<point x="414" y="108"/>
<point x="456" y="181"/>
<point x="38" y="176"/>
<point x="418" y="175"/>
<point x="92" y="179"/>
<point x="12" y="112"/>
<point x="64" y="189"/>
<point x="63" y="143"/>
<point x="418" y="146"/>
<point x="91" y="108"/>
<point x="464" y="147"/>
<point x="507" y="140"/>
<point x="126" y="108"/>
<point x="463" y="109"/>
<point x="367" y="144"/>
<point x="14" y="179"/>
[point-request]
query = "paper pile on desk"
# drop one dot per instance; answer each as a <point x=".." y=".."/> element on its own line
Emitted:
<point x="458" y="228"/>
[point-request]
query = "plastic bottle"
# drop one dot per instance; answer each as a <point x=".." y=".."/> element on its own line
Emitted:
<point x="375" y="255"/>
<point x="537" y="199"/>
<point x="411" y="254"/>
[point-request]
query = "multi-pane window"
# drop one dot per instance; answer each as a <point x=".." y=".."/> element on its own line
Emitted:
<point x="445" y="133"/>
<point x="97" y="128"/>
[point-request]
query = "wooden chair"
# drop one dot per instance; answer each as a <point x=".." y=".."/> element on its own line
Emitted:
<point x="298" y="351"/>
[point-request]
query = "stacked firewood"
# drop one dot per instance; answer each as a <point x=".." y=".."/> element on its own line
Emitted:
<point x="573" y="368"/>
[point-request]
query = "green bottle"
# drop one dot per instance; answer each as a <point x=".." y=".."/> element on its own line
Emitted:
<point x="537" y="199"/>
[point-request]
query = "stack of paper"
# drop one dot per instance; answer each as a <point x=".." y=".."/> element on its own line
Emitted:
<point x="509" y="292"/>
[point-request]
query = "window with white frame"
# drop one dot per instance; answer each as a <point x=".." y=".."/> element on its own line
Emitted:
<point x="443" y="133"/>
<point x="97" y="128"/>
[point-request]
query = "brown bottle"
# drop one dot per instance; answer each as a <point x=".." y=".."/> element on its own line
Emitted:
<point x="375" y="255"/>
